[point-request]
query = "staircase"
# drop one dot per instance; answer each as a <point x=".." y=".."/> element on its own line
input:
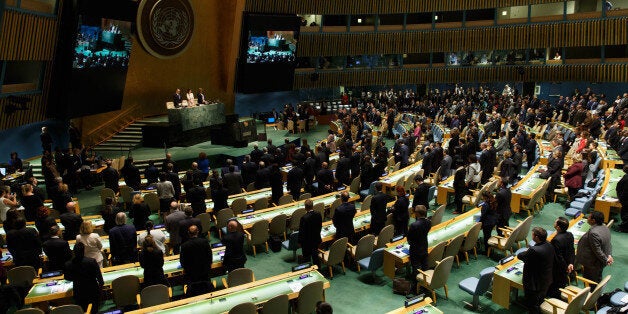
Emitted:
<point x="125" y="140"/>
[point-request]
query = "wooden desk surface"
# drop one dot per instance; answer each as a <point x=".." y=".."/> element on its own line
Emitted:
<point x="425" y="305"/>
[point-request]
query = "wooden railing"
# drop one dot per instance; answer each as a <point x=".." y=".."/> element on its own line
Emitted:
<point x="112" y="124"/>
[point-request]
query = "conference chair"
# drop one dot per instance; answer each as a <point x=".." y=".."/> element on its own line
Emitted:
<point x="154" y="295"/>
<point x="32" y="310"/>
<point x="244" y="308"/>
<point x="277" y="226"/>
<point x="106" y="192"/>
<point x="436" y="254"/>
<point x="239" y="204"/>
<point x="305" y="196"/>
<point x="320" y="208"/>
<point x="152" y="201"/>
<point x="477" y="286"/>
<point x="335" y="255"/>
<point x="260" y="204"/>
<point x="573" y="306"/>
<point x="437" y="216"/>
<point x="309" y="296"/>
<point x="238" y="277"/>
<point x="524" y="229"/>
<point x="355" y="185"/>
<point x="125" y="290"/>
<point x="453" y="247"/>
<point x="503" y="243"/>
<point x="251" y="187"/>
<point x="430" y="195"/>
<point x="470" y="242"/>
<point x="590" y="304"/>
<point x="125" y="192"/>
<point x="374" y="262"/>
<point x="363" y="249"/>
<point x="365" y="205"/>
<point x="292" y="244"/>
<point x="295" y="218"/>
<point x="384" y="236"/>
<point x="436" y="278"/>
<point x="206" y="221"/>
<point x="285" y="199"/>
<point x="301" y="125"/>
<point x="332" y="208"/>
<point x="408" y="185"/>
<point x="290" y="127"/>
<point x="277" y="305"/>
<point x="22" y="276"/>
<point x="258" y="235"/>
<point x="68" y="309"/>
<point x="222" y="218"/>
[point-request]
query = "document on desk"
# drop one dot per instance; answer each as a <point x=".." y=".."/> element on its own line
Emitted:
<point x="295" y="286"/>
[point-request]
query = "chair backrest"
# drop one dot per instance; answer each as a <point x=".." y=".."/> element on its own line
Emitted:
<point x="437" y="217"/>
<point x="364" y="247"/>
<point x="32" y="310"/>
<point x="154" y="295"/>
<point x="309" y="295"/>
<point x="320" y="208"/>
<point x="389" y="219"/>
<point x="206" y="221"/>
<point x="355" y="185"/>
<point x="277" y="305"/>
<point x="430" y="193"/>
<point x="240" y="276"/>
<point x="526" y="225"/>
<point x="409" y="183"/>
<point x="334" y="205"/>
<point x="293" y="241"/>
<point x="250" y="187"/>
<point x="337" y="251"/>
<point x="454" y="245"/>
<point x="244" y="308"/>
<point x="295" y="218"/>
<point x="472" y="237"/>
<point x="152" y="201"/>
<point x="384" y="236"/>
<point x="22" y="276"/>
<point x="305" y="196"/>
<point x="125" y="192"/>
<point x="577" y="302"/>
<point x="259" y="232"/>
<point x="67" y="309"/>
<point x="106" y="192"/>
<point x="591" y="301"/>
<point x="239" y="204"/>
<point x="223" y="216"/>
<point x="261" y="203"/>
<point x="278" y="224"/>
<point x="125" y="290"/>
<point x="441" y="273"/>
<point x="285" y="199"/>
<point x="377" y="259"/>
<point x="436" y="254"/>
<point x="396" y="167"/>
<point x="366" y="204"/>
<point x="484" y="283"/>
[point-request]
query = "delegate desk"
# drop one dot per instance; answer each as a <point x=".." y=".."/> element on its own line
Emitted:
<point x="247" y="220"/>
<point x="610" y="158"/>
<point x="397" y="253"/>
<point x="96" y="220"/>
<point x="361" y="222"/>
<point x="424" y="306"/>
<point x="258" y="292"/>
<point x="607" y="199"/>
<point x="250" y="197"/>
<point x="58" y="288"/>
<point x="526" y="187"/>
<point x="444" y="189"/>
<point x="390" y="181"/>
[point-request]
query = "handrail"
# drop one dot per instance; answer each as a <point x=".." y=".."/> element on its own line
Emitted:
<point x="125" y="117"/>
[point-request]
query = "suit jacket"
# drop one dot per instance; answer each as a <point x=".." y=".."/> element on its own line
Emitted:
<point x="110" y="176"/>
<point x="594" y="247"/>
<point x="86" y="278"/>
<point x="233" y="182"/>
<point x="378" y="208"/>
<point x="537" y="270"/>
<point x="25" y="246"/>
<point x="325" y="177"/>
<point x="343" y="174"/>
<point x="262" y="178"/>
<point x="176" y="99"/>
<point x="420" y="195"/>
<point x="196" y="259"/>
<point x="173" y="177"/>
<point x="343" y="220"/>
<point x="131" y="176"/>
<point x="58" y="252"/>
<point x="219" y="197"/>
<point x="417" y="238"/>
<point x="503" y="198"/>
<point x="295" y="179"/>
<point x="151" y="174"/>
<point x="172" y="226"/>
<point x="234" y="249"/>
<point x="123" y="245"/>
<point x="485" y="165"/>
<point x="71" y="223"/>
<point x="310" y="230"/>
<point x="622" y="191"/>
<point x="184" y="225"/>
<point x="400" y="209"/>
<point x="248" y="172"/>
<point x="563" y="246"/>
<point x="445" y="166"/>
<point x="196" y="196"/>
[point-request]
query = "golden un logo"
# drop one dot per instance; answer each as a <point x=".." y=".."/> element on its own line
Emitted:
<point x="165" y="27"/>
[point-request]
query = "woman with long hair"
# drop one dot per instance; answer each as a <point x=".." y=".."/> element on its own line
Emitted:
<point x="31" y="202"/>
<point x="91" y="241"/>
<point x="86" y="278"/>
<point x="401" y="216"/>
<point x="488" y="216"/>
<point x="152" y="260"/>
<point x="139" y="212"/>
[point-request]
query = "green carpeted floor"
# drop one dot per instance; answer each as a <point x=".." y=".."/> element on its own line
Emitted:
<point x="353" y="292"/>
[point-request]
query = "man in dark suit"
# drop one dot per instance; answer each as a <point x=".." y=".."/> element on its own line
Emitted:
<point x="86" y="278"/>
<point x="309" y="170"/>
<point x="24" y="244"/>
<point x="262" y="177"/>
<point x="445" y="165"/>
<point x="417" y="238"/>
<point x="404" y="154"/>
<point x="177" y="99"/>
<point x="325" y="179"/>
<point x="196" y="196"/>
<point x="485" y="163"/>
<point x="343" y="218"/>
<point x="378" y="209"/>
<point x="57" y="250"/>
<point x="426" y="164"/>
<point x="504" y="211"/>
<point x="565" y="255"/>
<point x="151" y="173"/>
<point x="310" y="232"/>
<point x="123" y="241"/>
<point x="594" y="248"/>
<point x="295" y="181"/>
<point x="622" y="195"/>
<point x="233" y="181"/>
<point x="172" y="225"/>
<point x="421" y="192"/>
<point x="537" y="270"/>
<point x="173" y="177"/>
<point x="185" y="223"/>
<point x="200" y="96"/>
<point x="110" y="176"/>
<point x="256" y="154"/>
<point x="196" y="260"/>
<point x="234" y="247"/>
<point x="249" y="169"/>
<point x="343" y="168"/>
<point x="131" y="174"/>
<point x="71" y="222"/>
<point x="530" y="150"/>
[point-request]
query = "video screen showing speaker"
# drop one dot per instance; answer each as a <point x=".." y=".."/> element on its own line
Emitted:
<point x="267" y="52"/>
<point x="95" y="45"/>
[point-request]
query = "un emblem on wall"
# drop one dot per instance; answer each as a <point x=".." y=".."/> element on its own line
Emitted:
<point x="165" y="27"/>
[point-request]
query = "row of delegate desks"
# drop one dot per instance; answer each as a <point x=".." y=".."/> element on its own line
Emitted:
<point x="424" y="306"/>
<point x="607" y="198"/>
<point x="96" y="220"/>
<point x="526" y="187"/>
<point x="398" y="253"/>
<point x="510" y="275"/>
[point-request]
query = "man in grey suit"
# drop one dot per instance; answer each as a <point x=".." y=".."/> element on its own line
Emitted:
<point x="233" y="181"/>
<point x="445" y="165"/>
<point x="594" y="248"/>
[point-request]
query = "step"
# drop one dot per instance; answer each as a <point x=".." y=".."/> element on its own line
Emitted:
<point x="127" y="136"/>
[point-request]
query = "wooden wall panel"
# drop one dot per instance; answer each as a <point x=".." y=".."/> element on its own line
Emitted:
<point x="378" y="6"/>
<point x="574" y="34"/>
<point x="541" y="73"/>
<point x="26" y="36"/>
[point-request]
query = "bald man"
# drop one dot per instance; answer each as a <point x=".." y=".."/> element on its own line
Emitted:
<point x="234" y="244"/>
<point x="71" y="222"/>
<point x="196" y="260"/>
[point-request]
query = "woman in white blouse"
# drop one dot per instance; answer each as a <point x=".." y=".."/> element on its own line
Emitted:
<point x="93" y="246"/>
<point x="190" y="97"/>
